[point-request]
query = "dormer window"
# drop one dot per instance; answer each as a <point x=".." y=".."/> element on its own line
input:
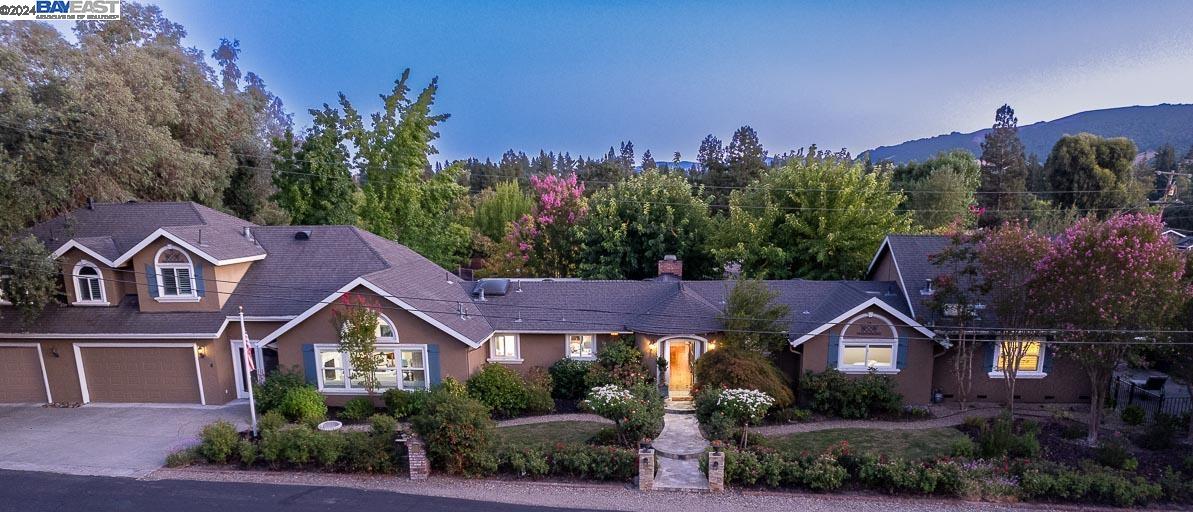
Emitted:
<point x="175" y="274"/>
<point x="89" y="285"/>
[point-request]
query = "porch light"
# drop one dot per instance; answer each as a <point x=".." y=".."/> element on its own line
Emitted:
<point x="712" y="344"/>
<point x="202" y="351"/>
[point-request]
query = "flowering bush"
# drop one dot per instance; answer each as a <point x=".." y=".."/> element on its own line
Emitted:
<point x="743" y="407"/>
<point x="636" y="413"/>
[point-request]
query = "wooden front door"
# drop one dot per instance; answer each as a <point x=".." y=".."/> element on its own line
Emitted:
<point x="680" y="366"/>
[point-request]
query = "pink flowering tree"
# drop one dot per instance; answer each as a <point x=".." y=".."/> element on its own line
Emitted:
<point x="1007" y="258"/>
<point x="545" y="242"/>
<point x="1106" y="287"/>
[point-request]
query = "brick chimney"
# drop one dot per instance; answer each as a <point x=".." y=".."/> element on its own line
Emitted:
<point x="670" y="265"/>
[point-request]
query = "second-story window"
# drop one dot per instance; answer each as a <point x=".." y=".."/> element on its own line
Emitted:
<point x="89" y="287"/>
<point x="175" y="273"/>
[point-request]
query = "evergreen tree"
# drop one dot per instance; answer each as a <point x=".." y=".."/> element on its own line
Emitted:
<point x="627" y="155"/>
<point x="711" y="168"/>
<point x="648" y="162"/>
<point x="745" y="157"/>
<point x="1164" y="161"/>
<point x="940" y="190"/>
<point x="1093" y="174"/>
<point x="1004" y="170"/>
<point x="314" y="183"/>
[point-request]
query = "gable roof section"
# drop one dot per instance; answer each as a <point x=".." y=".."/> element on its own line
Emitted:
<point x="114" y="232"/>
<point x="846" y="315"/>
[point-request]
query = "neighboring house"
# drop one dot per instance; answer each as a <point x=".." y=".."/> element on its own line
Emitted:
<point x="154" y="289"/>
<point x="1181" y="240"/>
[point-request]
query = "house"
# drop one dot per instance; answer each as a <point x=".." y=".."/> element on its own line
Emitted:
<point x="154" y="291"/>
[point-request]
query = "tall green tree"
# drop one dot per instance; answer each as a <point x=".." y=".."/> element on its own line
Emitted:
<point x="633" y="224"/>
<point x="543" y="243"/>
<point x="401" y="198"/>
<point x="31" y="276"/>
<point x="498" y="208"/>
<point x="1093" y="174"/>
<point x="814" y="218"/>
<point x="1002" y="193"/>
<point x="940" y="190"/>
<point x="754" y="320"/>
<point x="648" y="162"/>
<point x="313" y="180"/>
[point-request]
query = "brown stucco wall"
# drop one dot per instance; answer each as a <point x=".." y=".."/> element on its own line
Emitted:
<point x="914" y="381"/>
<point x="1066" y="383"/>
<point x="541" y="349"/>
<point x="226" y="277"/>
<point x="456" y="359"/>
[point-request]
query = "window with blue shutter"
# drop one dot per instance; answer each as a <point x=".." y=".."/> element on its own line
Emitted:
<point x="989" y="348"/>
<point x="433" y="364"/>
<point x="151" y="280"/>
<point x="310" y="369"/>
<point x="1047" y="367"/>
<point x="200" y="286"/>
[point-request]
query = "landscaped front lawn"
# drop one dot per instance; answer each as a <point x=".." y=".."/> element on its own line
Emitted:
<point x="905" y="444"/>
<point x="549" y="433"/>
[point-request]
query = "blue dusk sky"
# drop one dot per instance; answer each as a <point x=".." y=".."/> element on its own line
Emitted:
<point x="579" y="77"/>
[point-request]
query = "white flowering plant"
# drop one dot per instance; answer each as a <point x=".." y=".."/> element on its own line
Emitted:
<point x="743" y="407"/>
<point x="635" y="413"/>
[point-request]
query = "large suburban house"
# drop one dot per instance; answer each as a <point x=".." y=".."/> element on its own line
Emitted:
<point x="154" y="293"/>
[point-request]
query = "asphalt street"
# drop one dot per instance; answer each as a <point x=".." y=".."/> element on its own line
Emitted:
<point x="34" y="492"/>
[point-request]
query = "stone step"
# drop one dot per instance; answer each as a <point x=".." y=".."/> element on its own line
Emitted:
<point x="677" y="475"/>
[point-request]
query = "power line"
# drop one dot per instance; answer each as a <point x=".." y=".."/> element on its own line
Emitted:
<point x="520" y="318"/>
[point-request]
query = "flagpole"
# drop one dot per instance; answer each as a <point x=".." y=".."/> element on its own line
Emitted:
<point x="248" y="375"/>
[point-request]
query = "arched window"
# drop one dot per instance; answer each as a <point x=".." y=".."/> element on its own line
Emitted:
<point x="386" y="333"/>
<point x="89" y="286"/>
<point x="868" y="341"/>
<point x="175" y="273"/>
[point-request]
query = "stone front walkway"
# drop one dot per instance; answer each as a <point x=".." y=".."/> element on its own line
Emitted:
<point x="678" y="448"/>
<point x="950" y="420"/>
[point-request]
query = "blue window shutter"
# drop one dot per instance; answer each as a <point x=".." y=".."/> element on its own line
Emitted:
<point x="200" y="286"/>
<point x="901" y="355"/>
<point x="989" y="346"/>
<point x="151" y="280"/>
<point x="834" y="344"/>
<point x="308" y="364"/>
<point x="433" y="364"/>
<point x="1047" y="358"/>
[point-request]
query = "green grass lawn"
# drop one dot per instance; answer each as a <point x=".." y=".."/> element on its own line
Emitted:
<point x="907" y="444"/>
<point x="549" y="433"/>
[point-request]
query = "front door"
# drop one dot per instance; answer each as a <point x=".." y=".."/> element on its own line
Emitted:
<point x="679" y="368"/>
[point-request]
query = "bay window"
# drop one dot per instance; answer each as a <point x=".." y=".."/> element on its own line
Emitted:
<point x="399" y="367"/>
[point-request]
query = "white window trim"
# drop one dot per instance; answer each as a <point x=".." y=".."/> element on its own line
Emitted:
<point x="349" y="390"/>
<point x="161" y="288"/>
<point x="567" y="353"/>
<point x="75" y="277"/>
<point x="884" y="342"/>
<point x="514" y="359"/>
<point x="1038" y="373"/>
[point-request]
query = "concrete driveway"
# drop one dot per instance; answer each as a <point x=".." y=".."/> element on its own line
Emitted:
<point x="106" y="440"/>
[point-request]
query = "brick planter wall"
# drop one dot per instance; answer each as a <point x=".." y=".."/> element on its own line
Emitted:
<point x="646" y="469"/>
<point x="716" y="471"/>
<point x="416" y="454"/>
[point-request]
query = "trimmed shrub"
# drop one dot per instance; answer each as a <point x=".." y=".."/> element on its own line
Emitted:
<point x="1133" y="415"/>
<point x="618" y="362"/>
<point x="538" y="392"/>
<point x="293" y="446"/>
<point x="404" y="404"/>
<point x="963" y="447"/>
<point x="1113" y="453"/>
<point x="269" y="394"/>
<point x="357" y="409"/>
<point x="458" y="433"/>
<point x="501" y="389"/>
<point x="998" y="438"/>
<point x="790" y="415"/>
<point x="247" y="451"/>
<point x="382" y="425"/>
<point x="567" y="379"/>
<point x="182" y="458"/>
<point x="569" y="460"/>
<point x="1161" y="434"/>
<point x="218" y="442"/>
<point x="304" y="405"/>
<point x="271" y="420"/>
<point x="735" y="368"/>
<point x="1089" y="484"/>
<point x="326" y="448"/>
<point x="834" y="393"/>
<point x="370" y="453"/>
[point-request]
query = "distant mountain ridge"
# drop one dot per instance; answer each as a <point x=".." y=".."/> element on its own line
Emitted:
<point x="1149" y="126"/>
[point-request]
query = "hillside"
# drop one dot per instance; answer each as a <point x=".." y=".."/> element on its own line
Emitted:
<point x="1149" y="126"/>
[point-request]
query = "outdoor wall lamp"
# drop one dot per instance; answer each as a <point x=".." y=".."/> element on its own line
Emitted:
<point x="54" y="351"/>
<point x="202" y="350"/>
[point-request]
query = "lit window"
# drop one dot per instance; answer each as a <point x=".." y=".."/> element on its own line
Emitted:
<point x="581" y="346"/>
<point x="1031" y="361"/>
<point x="397" y="368"/>
<point x="503" y="347"/>
<point x="866" y="356"/>
<point x="175" y="273"/>
<point x="88" y="284"/>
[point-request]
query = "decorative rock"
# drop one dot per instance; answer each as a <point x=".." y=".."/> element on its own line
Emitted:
<point x="716" y="471"/>
<point x="645" y="469"/>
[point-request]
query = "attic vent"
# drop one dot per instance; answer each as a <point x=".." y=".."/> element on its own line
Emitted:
<point x="303" y="235"/>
